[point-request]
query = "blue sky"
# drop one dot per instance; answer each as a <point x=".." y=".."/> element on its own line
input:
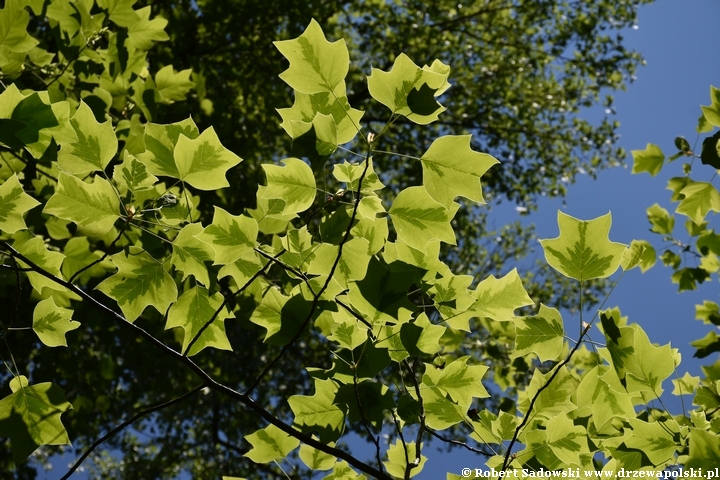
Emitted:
<point x="676" y="38"/>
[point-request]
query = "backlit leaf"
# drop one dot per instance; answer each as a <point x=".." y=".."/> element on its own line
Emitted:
<point x="173" y="86"/>
<point x="160" y="141"/>
<point x="583" y="250"/>
<point x="144" y="32"/>
<point x="451" y="169"/>
<point x="399" y="456"/>
<point x="700" y="198"/>
<point x="294" y="184"/>
<point x="51" y="323"/>
<point x="541" y="334"/>
<point x="319" y="413"/>
<point x="189" y="253"/>
<point x="192" y="311"/>
<point x="133" y="174"/>
<point x="203" y="161"/>
<point x="13" y="30"/>
<point x="14" y="202"/>
<point x="316" y="65"/>
<point x="37" y="252"/>
<point x="95" y="147"/>
<point x="269" y="444"/>
<point x="30" y="417"/>
<point x="94" y="207"/>
<point x="461" y="381"/>
<point x="409" y="90"/>
<point x="649" y="160"/>
<point x="229" y="236"/>
<point x="418" y="218"/>
<point x="139" y="282"/>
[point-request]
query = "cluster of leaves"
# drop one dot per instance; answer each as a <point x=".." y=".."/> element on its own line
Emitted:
<point x="694" y="254"/>
<point x="104" y="215"/>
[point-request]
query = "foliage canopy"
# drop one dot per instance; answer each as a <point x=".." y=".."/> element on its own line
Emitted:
<point x="109" y="246"/>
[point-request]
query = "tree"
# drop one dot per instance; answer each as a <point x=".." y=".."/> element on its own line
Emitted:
<point x="109" y="224"/>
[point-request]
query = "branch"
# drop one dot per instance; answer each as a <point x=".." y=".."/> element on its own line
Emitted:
<point x="508" y="454"/>
<point x="316" y="297"/>
<point x="459" y="443"/>
<point x="122" y="426"/>
<point x="204" y="376"/>
<point x="224" y="302"/>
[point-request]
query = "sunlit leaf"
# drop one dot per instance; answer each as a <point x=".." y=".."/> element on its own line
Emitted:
<point x="583" y="250"/>
<point x="30" y="417"/>
<point x="14" y="202"/>
<point x="192" y="312"/>
<point x="269" y="444"/>
<point x="51" y="323"/>
<point x="139" y="282"/>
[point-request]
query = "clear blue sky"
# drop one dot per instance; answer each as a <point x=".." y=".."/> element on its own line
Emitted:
<point x="678" y="39"/>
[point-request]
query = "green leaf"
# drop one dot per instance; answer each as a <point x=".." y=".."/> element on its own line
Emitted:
<point x="400" y="455"/>
<point x="144" y="32"/>
<point x="50" y="261"/>
<point x="30" y="417"/>
<point x="686" y="385"/>
<point x="120" y="11"/>
<point x="418" y="218"/>
<point x="173" y="87"/>
<point x="711" y="112"/>
<point x="13" y="29"/>
<point x="708" y="312"/>
<point x="133" y="174"/>
<point x="541" y="334"/>
<point x="347" y="330"/>
<point x="451" y="168"/>
<point x="498" y="298"/>
<point x="648" y="365"/>
<point x="350" y="174"/>
<point x="160" y="141"/>
<point x="51" y="323"/>
<point x="229" y="236"/>
<point x="319" y="413"/>
<point x="192" y="311"/>
<point x="14" y="202"/>
<point x="381" y="296"/>
<point x="409" y="90"/>
<point x="78" y="255"/>
<point x="270" y="444"/>
<point x="316" y="460"/>
<point x="461" y="381"/>
<point x="366" y="402"/>
<point x="189" y="253"/>
<point x="316" y="65"/>
<point x="554" y="399"/>
<point x="653" y="439"/>
<point x="661" y="220"/>
<point x="94" y="207"/>
<point x="35" y="117"/>
<point x="704" y="450"/>
<point x="95" y="147"/>
<point x="649" y="160"/>
<point x="562" y="440"/>
<point x="583" y="250"/>
<point x="633" y="255"/>
<point x="306" y="107"/>
<point x="203" y="161"/>
<point x="441" y="413"/>
<point x="294" y="184"/>
<point x="281" y="316"/>
<point x="700" y="198"/>
<point x="139" y="282"/>
<point x="601" y="389"/>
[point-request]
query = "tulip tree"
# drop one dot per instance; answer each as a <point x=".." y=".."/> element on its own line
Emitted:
<point x="100" y="224"/>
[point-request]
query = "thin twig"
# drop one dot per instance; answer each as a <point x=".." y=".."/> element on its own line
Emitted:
<point x="128" y="422"/>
